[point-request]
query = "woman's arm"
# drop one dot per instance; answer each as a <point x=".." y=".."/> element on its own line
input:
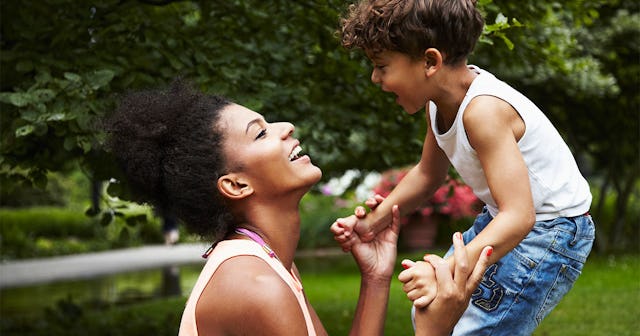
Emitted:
<point x="375" y="260"/>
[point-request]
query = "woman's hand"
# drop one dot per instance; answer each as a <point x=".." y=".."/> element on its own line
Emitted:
<point x="376" y="258"/>
<point x="454" y="291"/>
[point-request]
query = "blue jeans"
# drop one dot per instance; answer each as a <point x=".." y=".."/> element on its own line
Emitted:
<point x="522" y="288"/>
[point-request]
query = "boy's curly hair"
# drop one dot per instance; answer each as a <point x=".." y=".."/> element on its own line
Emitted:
<point x="413" y="26"/>
<point x="169" y="147"/>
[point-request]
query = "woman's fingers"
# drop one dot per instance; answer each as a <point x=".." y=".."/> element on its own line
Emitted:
<point x="395" y="219"/>
<point x="479" y="269"/>
<point x="461" y="260"/>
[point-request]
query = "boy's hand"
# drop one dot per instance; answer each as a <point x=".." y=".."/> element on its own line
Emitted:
<point x="343" y="228"/>
<point x="343" y="232"/>
<point x="419" y="282"/>
<point x="364" y="227"/>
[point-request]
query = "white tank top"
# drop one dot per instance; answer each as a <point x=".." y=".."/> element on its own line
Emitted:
<point x="228" y="249"/>
<point x="557" y="186"/>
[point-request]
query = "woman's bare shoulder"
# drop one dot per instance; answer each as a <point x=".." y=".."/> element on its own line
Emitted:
<point x="246" y="295"/>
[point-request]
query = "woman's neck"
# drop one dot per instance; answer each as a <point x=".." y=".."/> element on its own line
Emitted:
<point x="278" y="226"/>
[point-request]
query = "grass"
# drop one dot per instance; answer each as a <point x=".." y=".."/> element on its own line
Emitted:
<point x="604" y="300"/>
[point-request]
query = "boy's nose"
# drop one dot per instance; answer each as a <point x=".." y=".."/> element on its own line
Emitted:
<point x="375" y="77"/>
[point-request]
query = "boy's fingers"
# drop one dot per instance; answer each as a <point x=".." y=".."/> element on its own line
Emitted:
<point x="360" y="212"/>
<point x="407" y="274"/>
<point x="422" y="302"/>
<point x="406" y="263"/>
<point x="371" y="203"/>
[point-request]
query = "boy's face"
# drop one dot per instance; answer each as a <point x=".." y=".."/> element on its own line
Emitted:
<point x="402" y="75"/>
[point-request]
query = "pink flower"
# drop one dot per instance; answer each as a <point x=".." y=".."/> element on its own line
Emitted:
<point x="454" y="198"/>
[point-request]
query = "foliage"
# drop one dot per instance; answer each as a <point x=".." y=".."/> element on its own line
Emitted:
<point x="51" y="231"/>
<point x="454" y="199"/>
<point x="71" y="318"/>
<point x="64" y="62"/>
<point x="317" y="214"/>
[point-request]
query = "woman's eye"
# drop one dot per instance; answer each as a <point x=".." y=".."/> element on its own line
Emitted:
<point x="263" y="132"/>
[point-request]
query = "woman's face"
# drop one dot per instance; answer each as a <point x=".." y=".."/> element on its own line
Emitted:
<point x="265" y="154"/>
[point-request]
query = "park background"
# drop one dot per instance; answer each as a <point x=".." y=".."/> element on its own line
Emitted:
<point x="63" y="64"/>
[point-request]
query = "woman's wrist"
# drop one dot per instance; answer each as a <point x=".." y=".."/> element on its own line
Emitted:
<point x="376" y="280"/>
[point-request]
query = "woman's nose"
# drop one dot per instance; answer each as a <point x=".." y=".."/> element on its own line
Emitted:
<point x="287" y="129"/>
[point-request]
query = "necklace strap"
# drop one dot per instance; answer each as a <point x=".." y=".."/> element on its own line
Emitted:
<point x="256" y="238"/>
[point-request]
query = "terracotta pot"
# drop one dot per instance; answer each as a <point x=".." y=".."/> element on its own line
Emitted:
<point x="419" y="233"/>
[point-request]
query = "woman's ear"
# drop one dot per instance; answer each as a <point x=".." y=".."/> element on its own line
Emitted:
<point x="234" y="187"/>
<point x="432" y="61"/>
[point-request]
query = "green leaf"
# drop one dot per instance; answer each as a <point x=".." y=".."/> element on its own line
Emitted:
<point x="73" y="77"/>
<point x="107" y="218"/>
<point x="91" y="211"/>
<point x="42" y="95"/>
<point x="24" y="130"/>
<point x="19" y="99"/>
<point x="99" y="78"/>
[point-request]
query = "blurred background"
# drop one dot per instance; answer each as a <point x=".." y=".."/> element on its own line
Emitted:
<point x="63" y="64"/>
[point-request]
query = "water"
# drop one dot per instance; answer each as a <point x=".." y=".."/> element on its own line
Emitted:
<point x="114" y="289"/>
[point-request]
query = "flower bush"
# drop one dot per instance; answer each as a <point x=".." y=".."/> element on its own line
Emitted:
<point x="453" y="199"/>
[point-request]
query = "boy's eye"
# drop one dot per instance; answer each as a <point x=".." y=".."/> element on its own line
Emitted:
<point x="263" y="132"/>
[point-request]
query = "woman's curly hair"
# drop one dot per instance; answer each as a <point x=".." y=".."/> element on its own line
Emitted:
<point x="413" y="26"/>
<point x="169" y="147"/>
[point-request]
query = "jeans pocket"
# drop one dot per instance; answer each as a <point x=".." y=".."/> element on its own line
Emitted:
<point x="564" y="280"/>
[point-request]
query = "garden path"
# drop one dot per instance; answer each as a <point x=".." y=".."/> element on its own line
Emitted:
<point x="28" y="272"/>
<point x="88" y="265"/>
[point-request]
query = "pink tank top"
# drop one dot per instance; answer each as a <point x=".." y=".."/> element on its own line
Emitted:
<point x="231" y="248"/>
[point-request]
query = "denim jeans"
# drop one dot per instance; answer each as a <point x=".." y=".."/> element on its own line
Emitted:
<point x="520" y="290"/>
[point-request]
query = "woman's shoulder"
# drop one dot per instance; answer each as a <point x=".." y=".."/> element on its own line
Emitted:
<point x="246" y="292"/>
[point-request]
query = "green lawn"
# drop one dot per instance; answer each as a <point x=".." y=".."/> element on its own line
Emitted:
<point x="604" y="301"/>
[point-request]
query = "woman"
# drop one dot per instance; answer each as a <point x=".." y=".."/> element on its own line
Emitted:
<point x="233" y="177"/>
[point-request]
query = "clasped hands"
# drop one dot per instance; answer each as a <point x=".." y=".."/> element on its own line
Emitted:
<point x="433" y="284"/>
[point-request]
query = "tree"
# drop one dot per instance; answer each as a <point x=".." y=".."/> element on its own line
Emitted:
<point x="64" y="62"/>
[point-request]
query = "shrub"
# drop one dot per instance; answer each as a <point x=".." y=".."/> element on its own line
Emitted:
<point x="453" y="199"/>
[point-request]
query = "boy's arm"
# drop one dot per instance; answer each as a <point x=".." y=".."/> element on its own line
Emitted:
<point x="417" y="186"/>
<point x="493" y="129"/>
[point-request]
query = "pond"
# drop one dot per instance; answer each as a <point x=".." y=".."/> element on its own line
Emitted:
<point x="113" y="289"/>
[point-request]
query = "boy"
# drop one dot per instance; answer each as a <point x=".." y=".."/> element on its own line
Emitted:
<point x="536" y="214"/>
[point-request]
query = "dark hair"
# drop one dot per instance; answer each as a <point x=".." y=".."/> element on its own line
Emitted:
<point x="170" y="148"/>
<point x="413" y="26"/>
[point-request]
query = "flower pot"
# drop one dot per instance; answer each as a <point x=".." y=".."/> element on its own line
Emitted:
<point x="419" y="233"/>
